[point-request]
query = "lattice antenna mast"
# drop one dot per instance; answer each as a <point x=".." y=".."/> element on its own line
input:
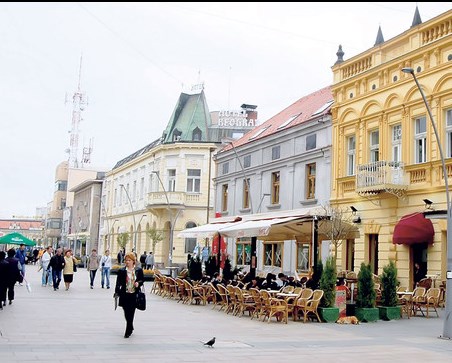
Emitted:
<point x="79" y="101"/>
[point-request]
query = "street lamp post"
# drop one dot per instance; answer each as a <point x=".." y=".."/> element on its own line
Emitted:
<point x="447" y="329"/>
<point x="133" y="216"/>
<point x="144" y="215"/>
<point x="170" y="255"/>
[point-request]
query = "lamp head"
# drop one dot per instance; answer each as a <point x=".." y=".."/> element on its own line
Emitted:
<point x="428" y="203"/>
<point x="354" y="210"/>
<point x="408" y="70"/>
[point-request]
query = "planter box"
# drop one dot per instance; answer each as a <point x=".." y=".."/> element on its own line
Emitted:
<point x="329" y="315"/>
<point x="389" y="312"/>
<point x="367" y="314"/>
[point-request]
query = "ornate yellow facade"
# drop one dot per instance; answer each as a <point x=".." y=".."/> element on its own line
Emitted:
<point x="386" y="159"/>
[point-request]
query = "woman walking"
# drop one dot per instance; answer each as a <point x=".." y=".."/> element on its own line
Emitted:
<point x="128" y="282"/>
<point x="105" y="263"/>
<point x="93" y="265"/>
<point x="68" y="270"/>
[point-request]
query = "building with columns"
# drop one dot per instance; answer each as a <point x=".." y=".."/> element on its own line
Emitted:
<point x="386" y="162"/>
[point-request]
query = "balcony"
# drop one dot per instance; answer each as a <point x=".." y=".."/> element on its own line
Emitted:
<point x="176" y="200"/>
<point x="381" y="176"/>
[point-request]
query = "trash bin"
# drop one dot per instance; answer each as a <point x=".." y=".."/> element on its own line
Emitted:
<point x="350" y="309"/>
<point x="174" y="271"/>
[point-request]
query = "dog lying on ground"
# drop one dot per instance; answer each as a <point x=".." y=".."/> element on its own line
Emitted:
<point x="348" y="320"/>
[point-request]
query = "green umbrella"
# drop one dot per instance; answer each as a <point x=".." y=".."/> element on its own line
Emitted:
<point x="16" y="239"/>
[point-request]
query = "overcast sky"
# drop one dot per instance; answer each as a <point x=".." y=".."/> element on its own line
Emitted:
<point x="139" y="57"/>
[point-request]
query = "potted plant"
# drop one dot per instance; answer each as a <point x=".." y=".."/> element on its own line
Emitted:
<point x="328" y="310"/>
<point x="366" y="298"/>
<point x="389" y="309"/>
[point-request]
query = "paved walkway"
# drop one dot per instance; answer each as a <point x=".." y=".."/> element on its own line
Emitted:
<point x="80" y="325"/>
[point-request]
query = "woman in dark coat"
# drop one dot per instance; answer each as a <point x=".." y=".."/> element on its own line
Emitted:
<point x="128" y="282"/>
<point x="13" y="276"/>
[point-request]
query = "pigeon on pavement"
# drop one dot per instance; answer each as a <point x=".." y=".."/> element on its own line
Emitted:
<point x="210" y="343"/>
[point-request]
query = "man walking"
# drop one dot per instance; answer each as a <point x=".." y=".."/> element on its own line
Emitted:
<point x="143" y="260"/>
<point x="57" y="264"/>
<point x="150" y="261"/>
<point x="20" y="255"/>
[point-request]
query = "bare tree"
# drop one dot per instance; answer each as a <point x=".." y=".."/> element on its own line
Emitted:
<point x="340" y="226"/>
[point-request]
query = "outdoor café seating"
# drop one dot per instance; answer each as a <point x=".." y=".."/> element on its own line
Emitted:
<point x="430" y="301"/>
<point x="300" y="303"/>
<point x="311" y="307"/>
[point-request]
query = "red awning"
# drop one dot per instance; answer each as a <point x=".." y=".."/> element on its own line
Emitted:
<point x="413" y="228"/>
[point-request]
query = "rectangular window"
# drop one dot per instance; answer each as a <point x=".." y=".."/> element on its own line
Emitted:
<point x="275" y="187"/>
<point x="351" y="155"/>
<point x="61" y="185"/>
<point x="449" y="133"/>
<point x="273" y="254"/>
<point x="276" y="152"/>
<point x="247" y="161"/>
<point x="310" y="183"/>
<point x="303" y="256"/>
<point x="243" y="248"/>
<point x="224" y="197"/>
<point x="134" y="191"/>
<point x="193" y="180"/>
<point x="420" y="140"/>
<point x="171" y="180"/>
<point x="311" y="142"/>
<point x="246" y="194"/>
<point x="225" y="168"/>
<point x="397" y="143"/>
<point x="142" y="188"/>
<point x="190" y="244"/>
<point x="374" y="146"/>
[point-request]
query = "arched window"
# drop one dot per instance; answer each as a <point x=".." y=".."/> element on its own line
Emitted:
<point x="197" y="134"/>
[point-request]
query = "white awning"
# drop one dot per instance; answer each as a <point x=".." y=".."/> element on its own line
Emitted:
<point x="257" y="228"/>
<point x="204" y="231"/>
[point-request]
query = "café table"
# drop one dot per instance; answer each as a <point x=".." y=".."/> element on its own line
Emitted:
<point x="407" y="296"/>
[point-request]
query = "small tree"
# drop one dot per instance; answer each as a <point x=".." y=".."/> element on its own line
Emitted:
<point x="389" y="284"/>
<point x="328" y="283"/>
<point x="155" y="236"/>
<point x="122" y="239"/>
<point x="366" y="288"/>
<point x="340" y="226"/>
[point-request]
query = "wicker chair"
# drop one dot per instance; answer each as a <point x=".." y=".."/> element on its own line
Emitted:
<point x="245" y="302"/>
<point x="223" y="292"/>
<point x="429" y="301"/>
<point x="300" y="303"/>
<point x="311" y="307"/>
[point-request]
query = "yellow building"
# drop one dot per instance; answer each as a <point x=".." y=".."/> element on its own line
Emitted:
<point x="386" y="162"/>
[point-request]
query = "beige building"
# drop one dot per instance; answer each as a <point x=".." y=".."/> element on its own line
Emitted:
<point x="165" y="186"/>
<point x="386" y="162"/>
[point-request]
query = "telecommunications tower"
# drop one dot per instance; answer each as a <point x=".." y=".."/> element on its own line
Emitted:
<point x="79" y="101"/>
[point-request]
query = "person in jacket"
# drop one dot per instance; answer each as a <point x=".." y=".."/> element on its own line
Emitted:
<point x="150" y="261"/>
<point x="22" y="257"/>
<point x="46" y="272"/>
<point x="56" y="264"/>
<point x="93" y="266"/>
<point x="128" y="282"/>
<point x="4" y="270"/>
<point x="68" y="270"/>
<point x="14" y="275"/>
<point x="105" y="265"/>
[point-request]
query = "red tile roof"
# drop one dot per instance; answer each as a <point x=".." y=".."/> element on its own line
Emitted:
<point x="304" y="109"/>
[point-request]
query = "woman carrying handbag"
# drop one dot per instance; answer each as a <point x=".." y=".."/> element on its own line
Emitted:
<point x="128" y="282"/>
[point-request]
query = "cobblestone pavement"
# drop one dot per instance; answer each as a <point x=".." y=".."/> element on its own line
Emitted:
<point x="81" y="325"/>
